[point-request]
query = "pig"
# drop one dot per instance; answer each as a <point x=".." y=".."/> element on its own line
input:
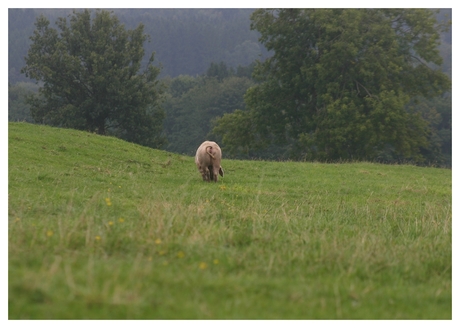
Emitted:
<point x="207" y="159"/>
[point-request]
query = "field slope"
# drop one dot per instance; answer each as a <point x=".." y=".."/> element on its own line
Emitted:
<point x="99" y="228"/>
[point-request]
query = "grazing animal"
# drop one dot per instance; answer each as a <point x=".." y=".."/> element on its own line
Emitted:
<point x="207" y="159"/>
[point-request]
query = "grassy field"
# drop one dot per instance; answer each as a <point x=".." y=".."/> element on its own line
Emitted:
<point x="99" y="228"/>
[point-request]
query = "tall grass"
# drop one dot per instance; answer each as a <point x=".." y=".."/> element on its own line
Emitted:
<point x="101" y="228"/>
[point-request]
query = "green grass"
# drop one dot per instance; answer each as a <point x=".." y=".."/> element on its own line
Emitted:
<point x="101" y="228"/>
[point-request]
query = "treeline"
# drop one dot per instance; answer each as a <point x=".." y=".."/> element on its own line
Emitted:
<point x="192" y="103"/>
<point x="207" y="70"/>
<point x="346" y="84"/>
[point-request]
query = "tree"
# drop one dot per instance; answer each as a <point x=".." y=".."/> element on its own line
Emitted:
<point x="18" y="110"/>
<point x="339" y="81"/>
<point x="192" y="105"/>
<point x="438" y="112"/>
<point x="219" y="71"/>
<point x="91" y="80"/>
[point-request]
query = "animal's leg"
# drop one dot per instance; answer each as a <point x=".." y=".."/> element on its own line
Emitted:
<point x="207" y="174"/>
<point x="211" y="173"/>
<point x="215" y="174"/>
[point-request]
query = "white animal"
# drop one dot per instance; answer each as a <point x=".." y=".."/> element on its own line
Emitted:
<point x="207" y="159"/>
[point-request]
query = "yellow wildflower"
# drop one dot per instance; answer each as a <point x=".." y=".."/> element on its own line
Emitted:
<point x="158" y="241"/>
<point x="98" y="238"/>
<point x="216" y="261"/>
<point x="121" y="220"/>
<point x="110" y="223"/>
<point x="49" y="233"/>
<point x="203" y="265"/>
<point x="180" y="254"/>
<point x="108" y="202"/>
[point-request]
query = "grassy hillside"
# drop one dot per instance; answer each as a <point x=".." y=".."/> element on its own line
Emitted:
<point x="101" y="228"/>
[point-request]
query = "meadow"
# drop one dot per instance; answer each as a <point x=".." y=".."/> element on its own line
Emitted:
<point x="99" y="228"/>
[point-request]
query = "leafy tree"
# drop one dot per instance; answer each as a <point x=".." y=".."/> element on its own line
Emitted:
<point x="339" y="81"/>
<point x="18" y="110"/>
<point x="181" y="84"/>
<point x="438" y="112"/>
<point x="91" y="80"/>
<point x="238" y="126"/>
<point x="220" y="71"/>
<point x="245" y="71"/>
<point x="189" y="114"/>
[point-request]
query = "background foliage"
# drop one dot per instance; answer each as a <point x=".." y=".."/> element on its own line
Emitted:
<point x="339" y="81"/>
<point x="192" y="104"/>
<point x="193" y="46"/>
<point x="90" y="75"/>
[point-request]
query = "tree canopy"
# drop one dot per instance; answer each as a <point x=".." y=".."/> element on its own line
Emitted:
<point x="91" y="77"/>
<point x="340" y="81"/>
<point x="192" y="103"/>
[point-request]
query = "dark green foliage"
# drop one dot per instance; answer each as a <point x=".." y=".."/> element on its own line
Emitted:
<point x="18" y="110"/>
<point x="219" y="71"/>
<point x="339" y="81"/>
<point x="193" y="103"/>
<point x="438" y="112"/>
<point x="186" y="41"/>
<point x="237" y="125"/>
<point x="89" y="70"/>
<point x="245" y="71"/>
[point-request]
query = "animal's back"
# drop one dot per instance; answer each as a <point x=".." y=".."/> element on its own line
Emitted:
<point x="207" y="159"/>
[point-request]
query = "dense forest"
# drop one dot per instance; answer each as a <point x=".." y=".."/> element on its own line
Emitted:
<point x="207" y="58"/>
